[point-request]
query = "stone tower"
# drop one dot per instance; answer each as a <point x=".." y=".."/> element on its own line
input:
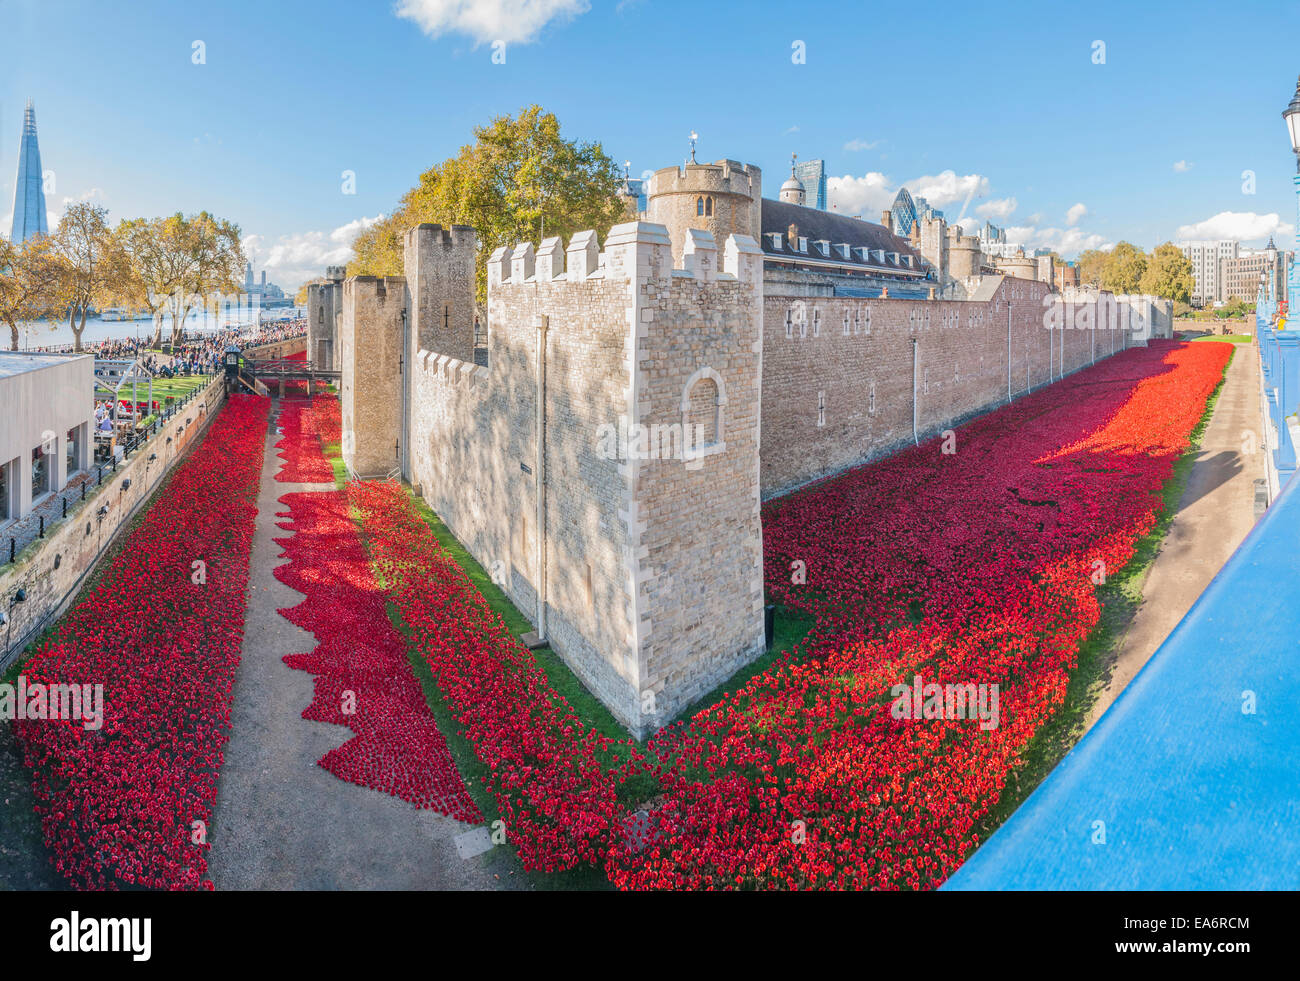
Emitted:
<point x="439" y="266"/>
<point x="324" y="307"/>
<point x="723" y="198"/>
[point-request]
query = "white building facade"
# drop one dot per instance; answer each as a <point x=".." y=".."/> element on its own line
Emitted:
<point x="46" y="404"/>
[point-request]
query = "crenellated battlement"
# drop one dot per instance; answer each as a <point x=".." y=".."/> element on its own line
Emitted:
<point x="636" y="250"/>
<point x="453" y="371"/>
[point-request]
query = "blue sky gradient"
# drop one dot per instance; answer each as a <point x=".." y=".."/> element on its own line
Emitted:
<point x="1006" y="97"/>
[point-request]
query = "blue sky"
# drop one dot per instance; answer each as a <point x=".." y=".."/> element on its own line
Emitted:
<point x="997" y="109"/>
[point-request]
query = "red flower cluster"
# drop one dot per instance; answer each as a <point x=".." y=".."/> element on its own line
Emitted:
<point x="978" y="567"/>
<point x="559" y="804"/>
<point x="973" y="568"/>
<point x="130" y="803"/>
<point x="304" y="463"/>
<point x="325" y="419"/>
<point x="363" y="677"/>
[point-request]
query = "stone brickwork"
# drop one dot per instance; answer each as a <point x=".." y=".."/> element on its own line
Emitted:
<point x="604" y="466"/>
<point x="839" y="382"/>
<point x="645" y="547"/>
<point x="370" y="353"/>
<point x="722" y="198"/>
<point x="439" y="265"/>
<point x="324" y="308"/>
<point x="52" y="569"/>
<point x="277" y="349"/>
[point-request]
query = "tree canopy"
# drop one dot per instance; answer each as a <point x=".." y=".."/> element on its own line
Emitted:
<point x="1169" y="273"/>
<point x="519" y="181"/>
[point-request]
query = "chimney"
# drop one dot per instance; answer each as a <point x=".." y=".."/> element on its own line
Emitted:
<point x="887" y="219"/>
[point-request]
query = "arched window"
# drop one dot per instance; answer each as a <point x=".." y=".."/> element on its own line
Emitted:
<point x="789" y="322"/>
<point x="699" y="207"/>
<point x="703" y="399"/>
<point x="817" y="322"/>
<point x="708" y="207"/>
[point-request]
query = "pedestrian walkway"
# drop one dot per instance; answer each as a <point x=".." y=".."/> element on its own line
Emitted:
<point x="1216" y="511"/>
<point x="281" y="821"/>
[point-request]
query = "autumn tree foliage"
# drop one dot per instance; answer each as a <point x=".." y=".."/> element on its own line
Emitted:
<point x="519" y="181"/>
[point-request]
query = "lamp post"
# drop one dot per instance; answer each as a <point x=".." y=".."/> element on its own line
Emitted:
<point x="1291" y="114"/>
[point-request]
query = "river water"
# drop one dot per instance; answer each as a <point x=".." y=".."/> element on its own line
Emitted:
<point x="40" y="333"/>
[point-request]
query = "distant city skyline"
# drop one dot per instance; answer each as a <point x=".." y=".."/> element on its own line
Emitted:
<point x="1070" y="159"/>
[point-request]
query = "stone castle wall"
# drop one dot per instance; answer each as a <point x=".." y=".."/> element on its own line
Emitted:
<point x="52" y="570"/>
<point x="370" y="358"/>
<point x="838" y="372"/>
<point x="651" y="568"/>
<point x="604" y="466"/>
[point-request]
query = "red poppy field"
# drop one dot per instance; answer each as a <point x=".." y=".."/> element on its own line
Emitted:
<point x="979" y="567"/>
<point x="128" y="804"/>
<point x="300" y="444"/>
<point x="362" y="677"/>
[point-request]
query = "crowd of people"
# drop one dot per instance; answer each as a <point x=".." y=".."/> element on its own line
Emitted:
<point x="198" y="351"/>
<point x="196" y="355"/>
<point x="205" y="353"/>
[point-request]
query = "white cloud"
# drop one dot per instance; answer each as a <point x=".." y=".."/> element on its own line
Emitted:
<point x="1244" y="226"/>
<point x="292" y="259"/>
<point x="948" y="188"/>
<point x="873" y="192"/>
<point x="999" y="208"/>
<point x="1076" y="212"/>
<point x="867" y="195"/>
<point x="94" y="192"/>
<point x="1182" y="167"/>
<point x="793" y="129"/>
<point x="1066" y="241"/>
<point x="854" y="146"/>
<point x="512" y="21"/>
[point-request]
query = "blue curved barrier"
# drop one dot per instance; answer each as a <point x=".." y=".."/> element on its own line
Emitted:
<point x="1191" y="780"/>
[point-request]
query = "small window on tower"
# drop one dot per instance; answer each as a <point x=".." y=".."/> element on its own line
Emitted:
<point x="699" y="207"/>
<point x="708" y="207"/>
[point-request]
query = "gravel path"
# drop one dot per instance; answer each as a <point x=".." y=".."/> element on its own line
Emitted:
<point x="1215" y="513"/>
<point x="281" y="821"/>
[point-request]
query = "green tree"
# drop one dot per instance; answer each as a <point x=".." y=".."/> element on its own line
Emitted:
<point x="519" y="181"/>
<point x="1169" y="274"/>
<point x="1092" y="264"/>
<point x="1125" y="266"/>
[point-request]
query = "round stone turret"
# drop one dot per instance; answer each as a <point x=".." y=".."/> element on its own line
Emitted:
<point x="723" y="198"/>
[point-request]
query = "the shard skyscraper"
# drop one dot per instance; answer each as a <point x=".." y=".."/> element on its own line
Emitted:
<point x="29" y="189"/>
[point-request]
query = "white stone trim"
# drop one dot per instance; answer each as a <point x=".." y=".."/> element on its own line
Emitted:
<point x="719" y="445"/>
